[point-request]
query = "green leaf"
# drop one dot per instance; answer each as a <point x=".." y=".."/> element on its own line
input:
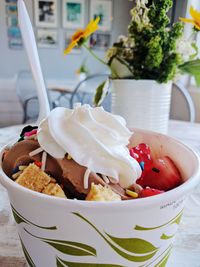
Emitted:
<point x="59" y="263"/>
<point x="19" y="219"/>
<point x="129" y="256"/>
<point x="62" y="263"/>
<point x="134" y="245"/>
<point x="164" y="253"/>
<point x="71" y="248"/>
<point x="115" y="247"/>
<point x="165" y="237"/>
<point x="101" y="92"/>
<point x="164" y="260"/>
<point x="196" y="51"/>
<point x="27" y="256"/>
<point x="192" y="68"/>
<point x="175" y="220"/>
<point x="68" y="247"/>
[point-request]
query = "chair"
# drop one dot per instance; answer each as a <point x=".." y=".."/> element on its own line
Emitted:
<point x="85" y="89"/>
<point x="25" y="88"/>
<point x="182" y="106"/>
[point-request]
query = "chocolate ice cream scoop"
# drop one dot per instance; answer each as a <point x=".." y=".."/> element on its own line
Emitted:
<point x="66" y="171"/>
<point x="19" y="155"/>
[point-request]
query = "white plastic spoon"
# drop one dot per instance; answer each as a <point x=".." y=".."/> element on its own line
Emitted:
<point x="32" y="52"/>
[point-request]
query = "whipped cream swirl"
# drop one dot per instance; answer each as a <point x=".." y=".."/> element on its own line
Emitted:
<point x="94" y="138"/>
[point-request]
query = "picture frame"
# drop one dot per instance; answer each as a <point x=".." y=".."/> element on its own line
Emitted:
<point x="67" y="40"/>
<point x="12" y="21"/>
<point x="46" y="13"/>
<point x="47" y="38"/>
<point x="14" y="32"/>
<point x="11" y="1"/>
<point x="104" y="10"/>
<point x="73" y="14"/>
<point x="15" y="43"/>
<point x="100" y="41"/>
<point x="11" y="10"/>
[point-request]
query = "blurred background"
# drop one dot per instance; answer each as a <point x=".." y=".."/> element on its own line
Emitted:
<point x="53" y="29"/>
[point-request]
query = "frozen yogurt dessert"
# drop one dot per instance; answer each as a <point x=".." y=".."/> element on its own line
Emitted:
<point x="83" y="154"/>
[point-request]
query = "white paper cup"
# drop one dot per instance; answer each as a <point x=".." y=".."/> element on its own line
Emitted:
<point x="73" y="233"/>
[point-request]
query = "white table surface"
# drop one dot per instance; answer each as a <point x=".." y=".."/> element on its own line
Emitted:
<point x="186" y="252"/>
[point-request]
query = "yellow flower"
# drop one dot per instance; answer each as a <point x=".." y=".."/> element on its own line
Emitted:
<point x="82" y="34"/>
<point x="195" y="18"/>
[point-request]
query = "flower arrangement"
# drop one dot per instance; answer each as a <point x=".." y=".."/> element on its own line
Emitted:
<point x="152" y="49"/>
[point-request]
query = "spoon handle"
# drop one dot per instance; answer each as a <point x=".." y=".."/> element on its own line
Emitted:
<point x="32" y="52"/>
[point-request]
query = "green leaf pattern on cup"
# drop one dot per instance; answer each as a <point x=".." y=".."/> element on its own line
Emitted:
<point x="165" y="237"/>
<point x="68" y="247"/>
<point x="175" y="220"/>
<point x="26" y="254"/>
<point x="163" y="261"/>
<point x="134" y="245"/>
<point x="20" y="219"/>
<point x="120" y="245"/>
<point x="131" y="249"/>
<point x="62" y="263"/>
<point x="160" y="257"/>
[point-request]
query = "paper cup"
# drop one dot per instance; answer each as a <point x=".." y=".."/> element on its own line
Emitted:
<point x="61" y="232"/>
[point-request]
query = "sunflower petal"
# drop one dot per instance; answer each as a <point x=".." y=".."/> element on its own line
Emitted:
<point x="187" y="20"/>
<point x="80" y="35"/>
<point x="92" y="26"/>
<point x="69" y="48"/>
<point x="195" y="14"/>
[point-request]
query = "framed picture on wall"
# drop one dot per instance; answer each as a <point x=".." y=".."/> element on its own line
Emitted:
<point x="11" y="1"/>
<point x="47" y="38"/>
<point x="100" y="41"/>
<point x="14" y="32"/>
<point x="73" y="14"/>
<point x="15" y="43"/>
<point x="12" y="21"/>
<point x="11" y="10"/>
<point x="102" y="9"/>
<point x="46" y="13"/>
<point x="67" y="38"/>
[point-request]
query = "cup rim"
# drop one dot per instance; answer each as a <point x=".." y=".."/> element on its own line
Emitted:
<point x="181" y="190"/>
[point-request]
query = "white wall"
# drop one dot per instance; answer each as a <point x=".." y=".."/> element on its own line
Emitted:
<point x="10" y="109"/>
<point x="54" y="64"/>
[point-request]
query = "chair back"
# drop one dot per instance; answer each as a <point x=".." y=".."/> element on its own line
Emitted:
<point x="182" y="105"/>
<point x="27" y="95"/>
<point x="85" y="89"/>
<point x="25" y="85"/>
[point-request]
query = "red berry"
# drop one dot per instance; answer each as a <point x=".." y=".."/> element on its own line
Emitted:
<point x="38" y="163"/>
<point x="164" y="175"/>
<point x="148" y="192"/>
<point x="141" y="153"/>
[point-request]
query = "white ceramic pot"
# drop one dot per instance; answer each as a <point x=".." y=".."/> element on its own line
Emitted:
<point x="62" y="232"/>
<point x="144" y="104"/>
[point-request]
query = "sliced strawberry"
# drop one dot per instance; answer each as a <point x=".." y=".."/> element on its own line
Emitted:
<point x="148" y="192"/>
<point x="164" y="175"/>
<point x="141" y="153"/>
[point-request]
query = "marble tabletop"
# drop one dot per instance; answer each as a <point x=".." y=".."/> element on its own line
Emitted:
<point x="186" y="252"/>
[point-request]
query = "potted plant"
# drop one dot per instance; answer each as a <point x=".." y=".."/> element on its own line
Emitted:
<point x="144" y="63"/>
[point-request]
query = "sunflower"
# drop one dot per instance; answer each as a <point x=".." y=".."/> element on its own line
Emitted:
<point x="195" y="18"/>
<point x="80" y="36"/>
